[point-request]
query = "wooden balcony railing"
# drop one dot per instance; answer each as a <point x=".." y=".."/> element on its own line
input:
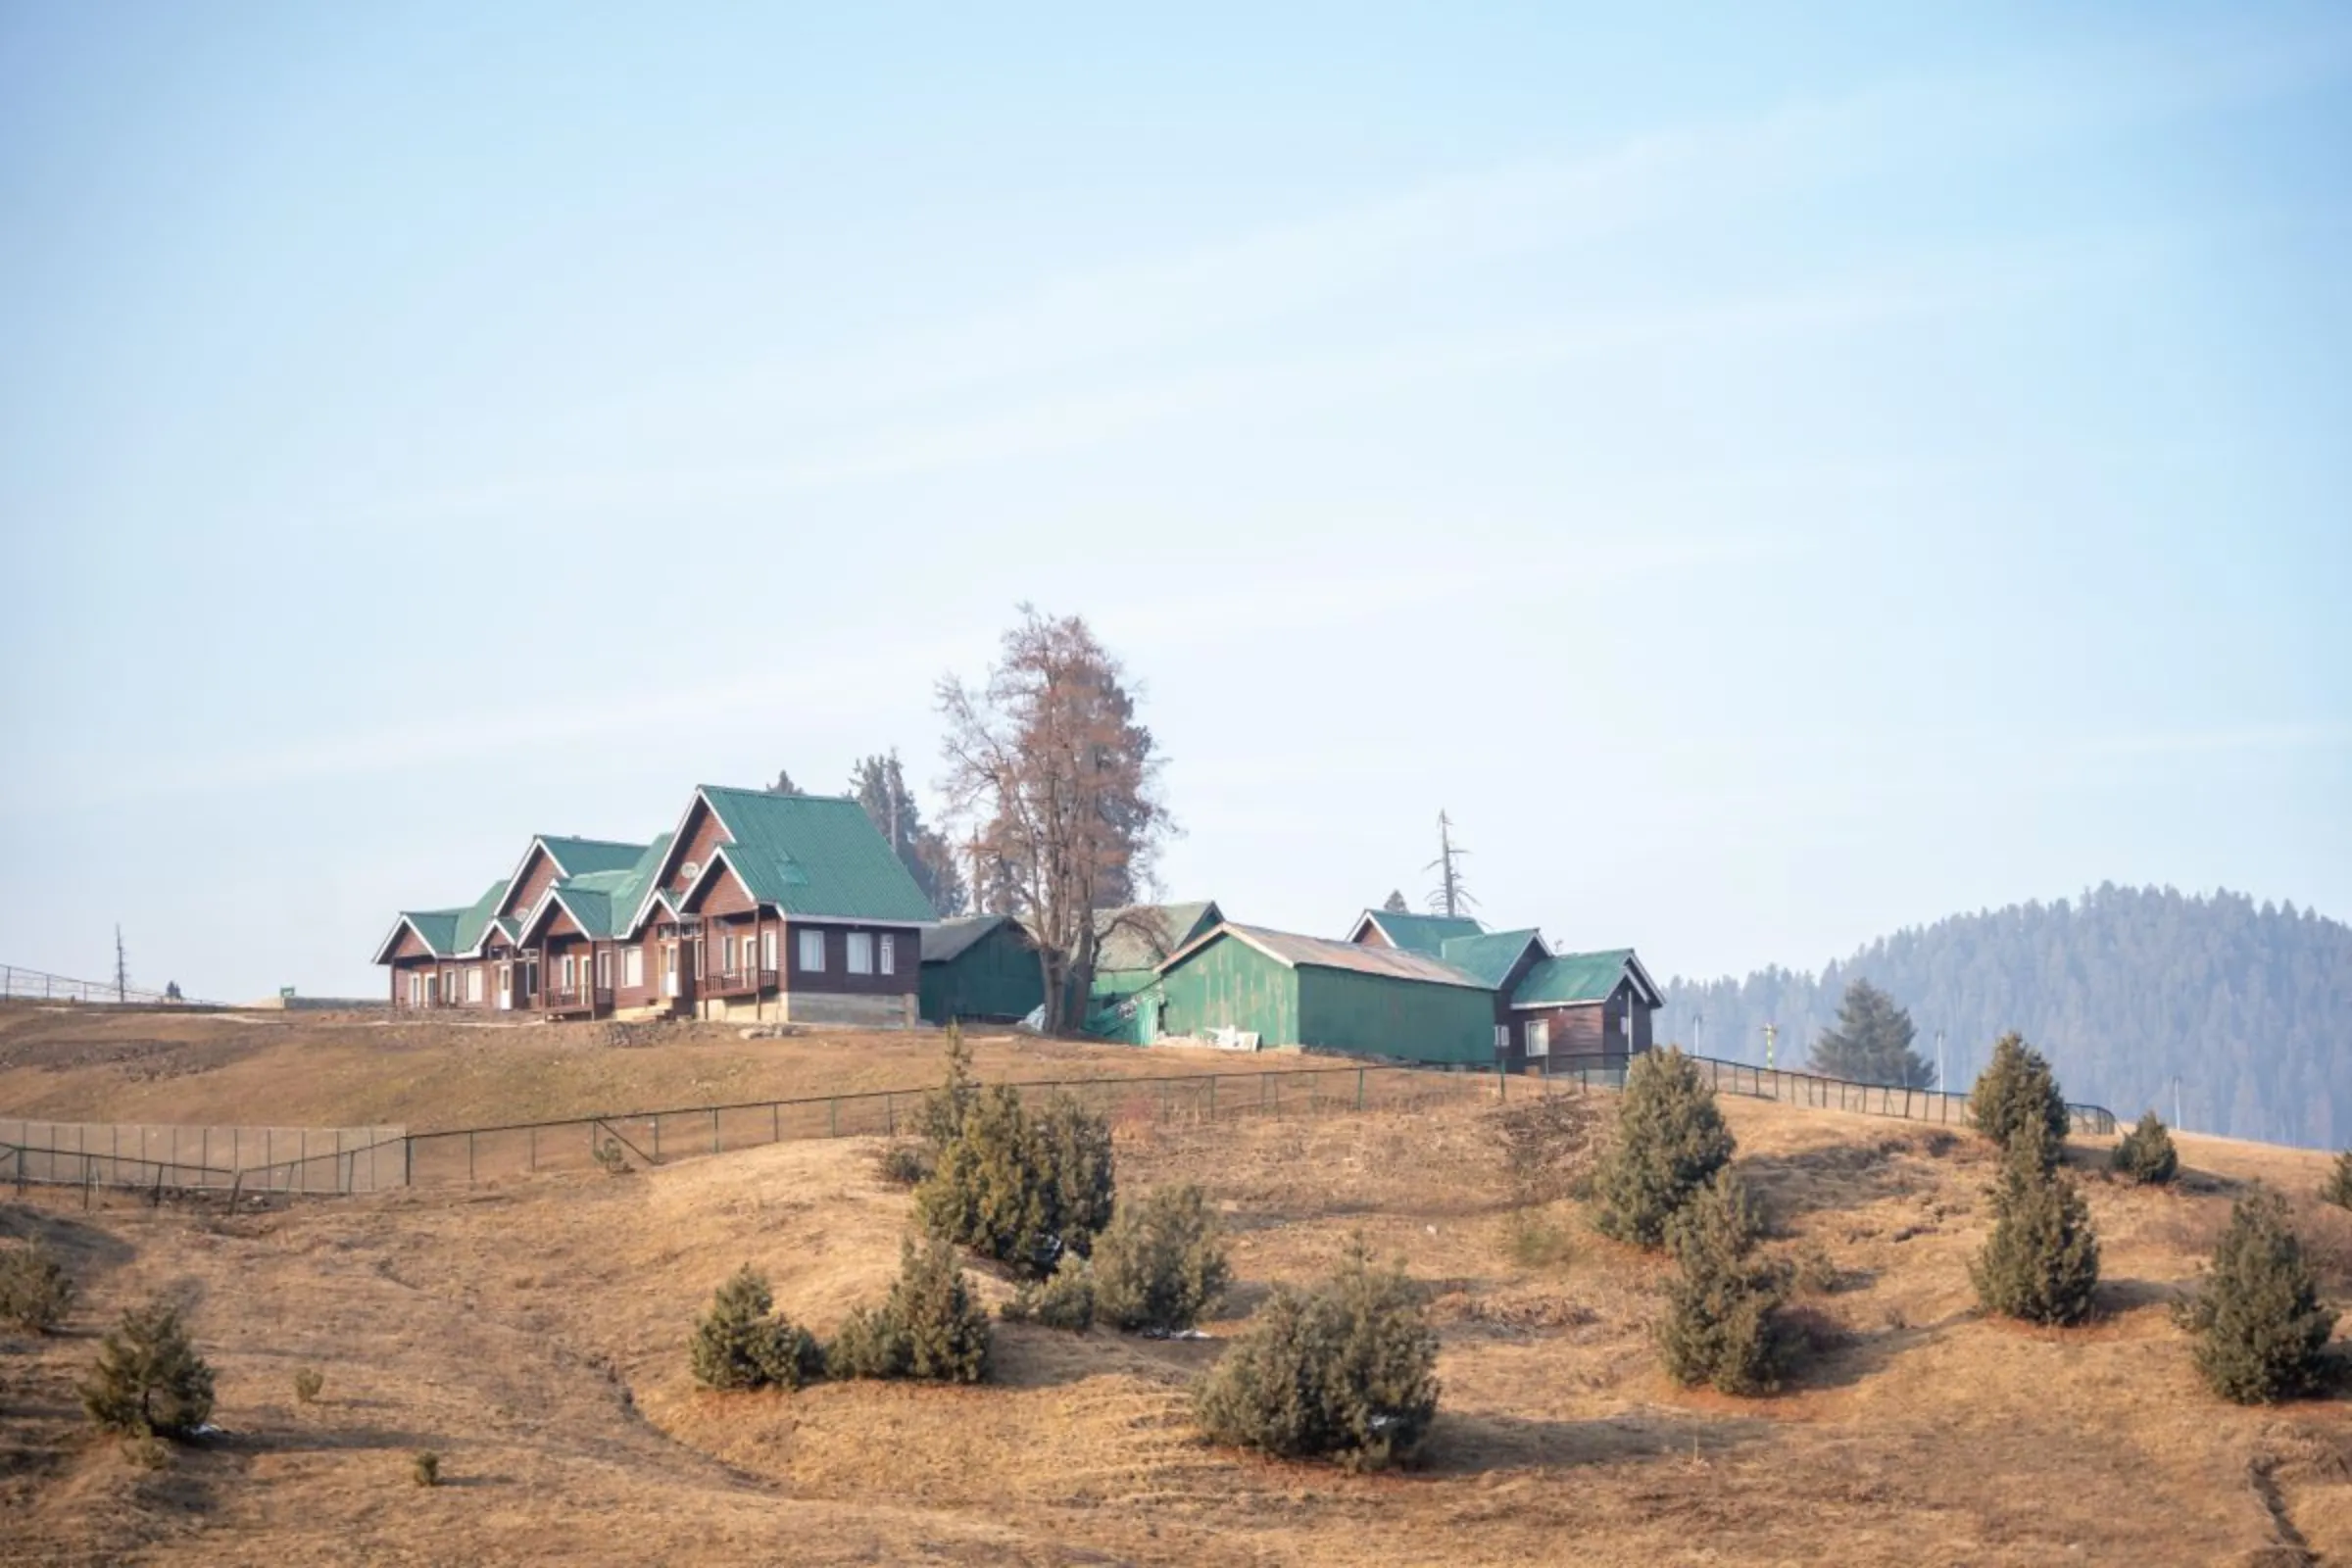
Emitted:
<point x="740" y="982"/>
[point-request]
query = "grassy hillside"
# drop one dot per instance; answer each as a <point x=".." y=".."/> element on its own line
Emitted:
<point x="90" y="1064"/>
<point x="534" y="1334"/>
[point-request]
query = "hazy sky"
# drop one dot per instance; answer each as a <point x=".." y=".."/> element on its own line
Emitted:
<point x="1771" y="479"/>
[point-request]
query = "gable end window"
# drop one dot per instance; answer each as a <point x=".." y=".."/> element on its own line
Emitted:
<point x="861" y="953"/>
<point x="813" y="952"/>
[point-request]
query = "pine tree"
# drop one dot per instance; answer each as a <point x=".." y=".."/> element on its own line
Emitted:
<point x="1395" y="903"/>
<point x="1872" y="1043"/>
<point x="2261" y="1334"/>
<point x="1161" y="1263"/>
<point x="2016" y="1089"/>
<point x="2041" y="1263"/>
<point x="1670" y="1140"/>
<point x="739" y="1345"/>
<point x="1721" y="1325"/>
<point x="1022" y="1189"/>
<point x="149" y="1379"/>
<point x="930" y="1328"/>
<point x="2145" y="1154"/>
<point x="1347" y="1370"/>
<point x="2337" y="1189"/>
<point x="36" y="1290"/>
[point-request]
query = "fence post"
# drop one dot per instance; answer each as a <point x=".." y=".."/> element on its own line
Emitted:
<point x="470" y="1159"/>
<point x="1212" y="1097"/>
<point x="775" y="1122"/>
<point x="833" y="1117"/>
<point x="714" y="1129"/>
<point x="1359" y="1088"/>
<point x="890" y="1114"/>
<point x="407" y="1160"/>
<point x="531" y="1160"/>
<point x="656" y="1139"/>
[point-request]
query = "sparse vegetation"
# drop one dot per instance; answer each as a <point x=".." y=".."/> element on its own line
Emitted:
<point x="610" y="1159"/>
<point x="930" y="1328"/>
<point x="1021" y="1189"/>
<point x="2145" y="1154"/>
<point x="1546" y="1145"/>
<point x="2017" y="1090"/>
<point x="2260" y="1331"/>
<point x="2041" y="1263"/>
<point x="2337" y="1189"/>
<point x="149" y="1380"/>
<point x="1722" y="1321"/>
<point x="36" y="1290"/>
<point x="742" y="1344"/>
<point x="1669" y="1141"/>
<point x="1347" y="1370"/>
<point x="940" y="1121"/>
<point x="903" y="1164"/>
<point x="309" y="1383"/>
<point x="425" y="1468"/>
<point x="1538" y="1240"/>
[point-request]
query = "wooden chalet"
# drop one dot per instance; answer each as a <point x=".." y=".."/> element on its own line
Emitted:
<point x="778" y="908"/>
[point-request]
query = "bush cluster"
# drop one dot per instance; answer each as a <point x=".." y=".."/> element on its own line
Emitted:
<point x="2017" y="1090"/>
<point x="2260" y="1332"/>
<point x="2145" y="1154"/>
<point x="1723" y="1322"/>
<point x="2041" y="1263"/>
<point x="1156" y="1269"/>
<point x="35" y="1291"/>
<point x="2337" y="1189"/>
<point x="149" y="1380"/>
<point x="1669" y="1141"/>
<point x="742" y="1344"/>
<point x="931" y="1327"/>
<point x="1018" y="1188"/>
<point x="1347" y="1370"/>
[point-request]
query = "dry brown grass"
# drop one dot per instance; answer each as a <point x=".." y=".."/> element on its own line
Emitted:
<point x="533" y="1333"/>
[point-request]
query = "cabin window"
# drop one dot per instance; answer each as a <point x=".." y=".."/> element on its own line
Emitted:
<point x="473" y="982"/>
<point x="767" y="951"/>
<point x="415" y="989"/>
<point x="889" y="954"/>
<point x="632" y="967"/>
<point x="604" y="970"/>
<point x="1502" y="1038"/>
<point x="728" y="962"/>
<point x="1538" y="1037"/>
<point x="813" y="952"/>
<point x="861" y="953"/>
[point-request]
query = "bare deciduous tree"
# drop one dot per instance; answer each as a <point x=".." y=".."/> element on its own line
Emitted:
<point x="1061" y="787"/>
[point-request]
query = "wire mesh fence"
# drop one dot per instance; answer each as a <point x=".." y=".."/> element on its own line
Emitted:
<point x="348" y="1160"/>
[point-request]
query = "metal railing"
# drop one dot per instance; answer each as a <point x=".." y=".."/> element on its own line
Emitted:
<point x="1873" y="1099"/>
<point x="18" y="984"/>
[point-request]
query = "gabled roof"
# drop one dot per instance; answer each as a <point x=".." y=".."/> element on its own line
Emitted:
<point x="951" y="939"/>
<point x="1141" y="936"/>
<point x="437" y="929"/>
<point x="1318" y="952"/>
<point x="1490" y="956"/>
<point x="474" y="924"/>
<point x="586" y="856"/>
<point x="1419" y="933"/>
<point x="816" y="854"/>
<point x="1573" y="978"/>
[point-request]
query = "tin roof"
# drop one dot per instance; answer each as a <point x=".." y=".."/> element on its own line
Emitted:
<point x="1573" y="978"/>
<point x="1289" y="949"/>
<point x="1141" y="936"/>
<point x="951" y="939"/>
<point x="1490" y="955"/>
<point x="1421" y="933"/>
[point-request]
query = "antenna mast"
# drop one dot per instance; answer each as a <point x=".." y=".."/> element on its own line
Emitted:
<point x="121" y="969"/>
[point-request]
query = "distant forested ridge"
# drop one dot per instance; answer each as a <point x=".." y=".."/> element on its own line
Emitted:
<point x="2250" y="1004"/>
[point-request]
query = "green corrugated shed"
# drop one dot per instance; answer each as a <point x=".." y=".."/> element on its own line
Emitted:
<point x="1135" y="940"/>
<point x="1292" y="990"/>
<point x="983" y="967"/>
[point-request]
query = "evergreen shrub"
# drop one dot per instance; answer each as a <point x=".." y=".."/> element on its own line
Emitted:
<point x="148" y="1381"/>
<point x="1669" y="1141"/>
<point x="741" y="1342"/>
<point x="2260" y="1332"/>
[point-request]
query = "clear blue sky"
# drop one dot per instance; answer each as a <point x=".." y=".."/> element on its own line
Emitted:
<point x="1772" y="478"/>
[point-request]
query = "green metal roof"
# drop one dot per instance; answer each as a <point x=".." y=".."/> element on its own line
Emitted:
<point x="475" y="922"/>
<point x="1141" y="936"/>
<point x="630" y="891"/>
<point x="1300" y="951"/>
<point x="1423" y="932"/>
<point x="950" y="939"/>
<point x="585" y="856"/>
<point x="1489" y="956"/>
<point x="438" y="928"/>
<point x="1572" y="978"/>
<point x="816" y="854"/>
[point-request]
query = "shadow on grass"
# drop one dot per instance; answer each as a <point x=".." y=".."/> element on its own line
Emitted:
<point x="1471" y="1442"/>
<point x="321" y="1439"/>
<point x="1840" y="1176"/>
<point x="1856" y="1354"/>
<point x="83" y="1248"/>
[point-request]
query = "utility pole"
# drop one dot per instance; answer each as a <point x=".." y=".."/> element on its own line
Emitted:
<point x="1697" y="1017"/>
<point x="2177" y="1102"/>
<point x="1941" y="1083"/>
<point x="121" y="969"/>
<point x="1772" y="1033"/>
